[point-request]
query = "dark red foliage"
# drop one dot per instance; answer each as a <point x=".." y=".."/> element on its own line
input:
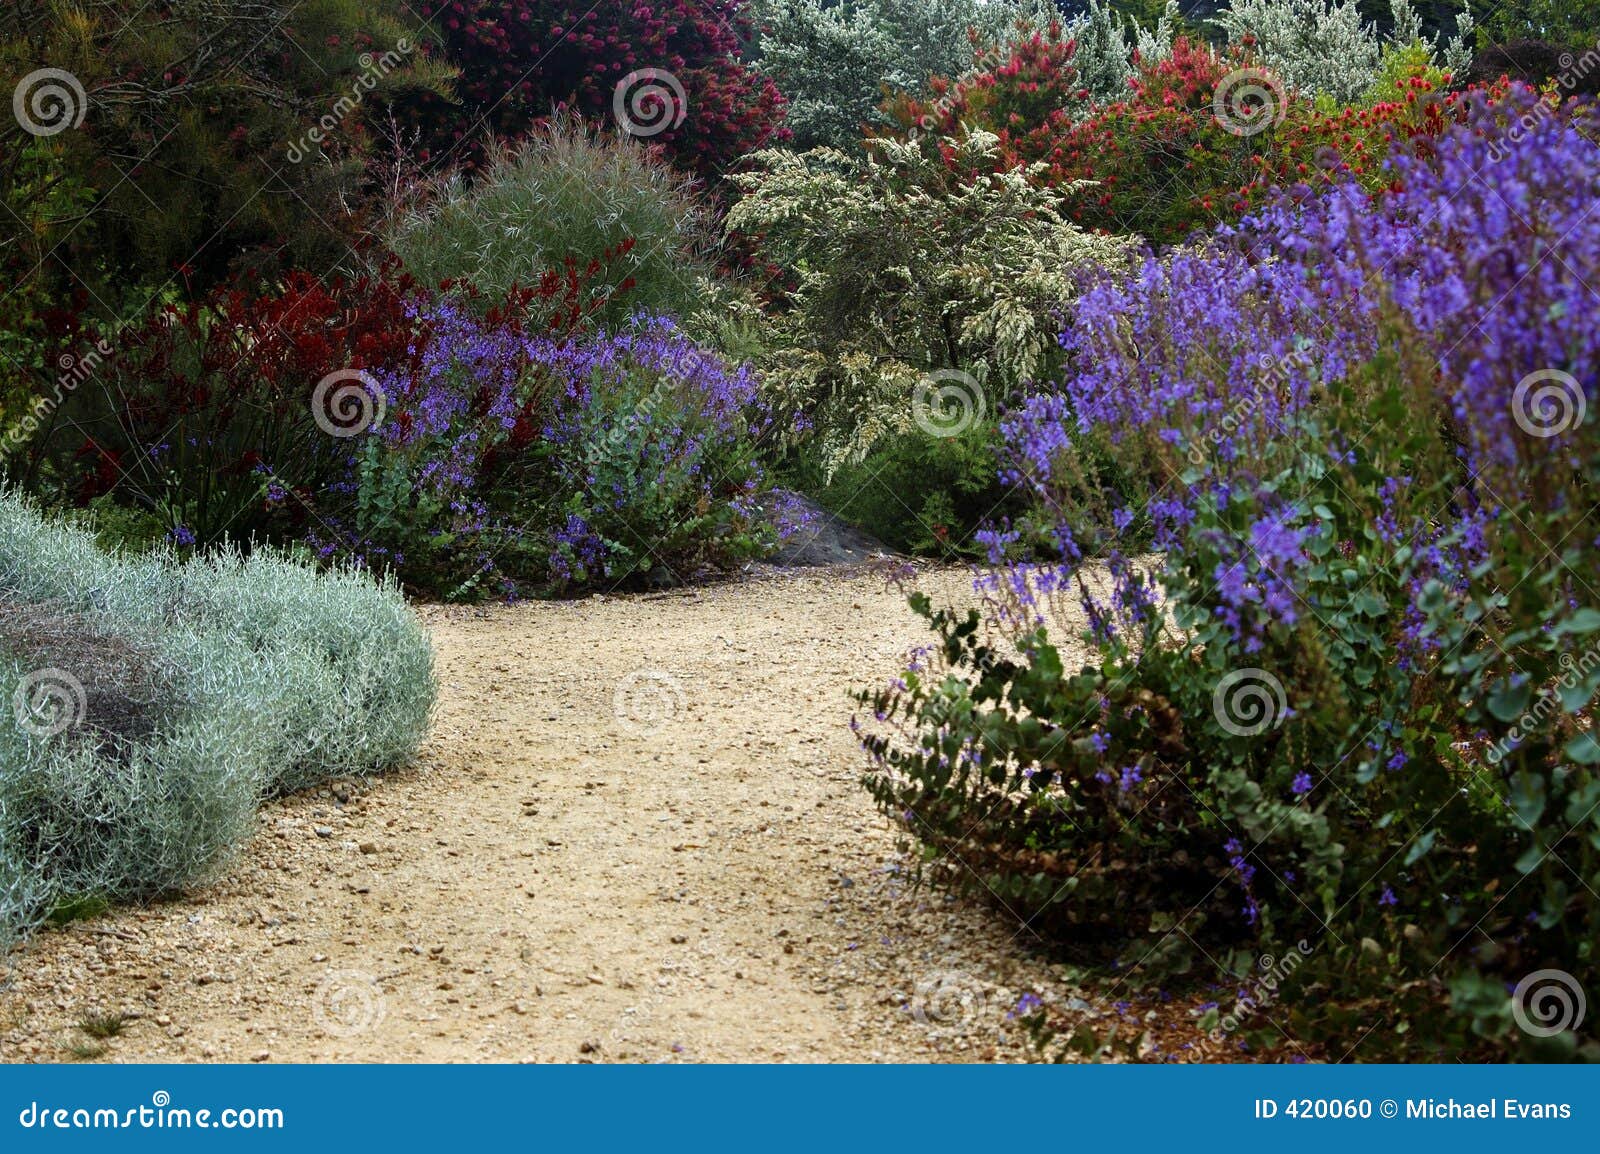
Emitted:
<point x="202" y="401"/>
<point x="519" y="59"/>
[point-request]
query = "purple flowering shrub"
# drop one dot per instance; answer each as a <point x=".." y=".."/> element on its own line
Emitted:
<point x="653" y="441"/>
<point x="1349" y="700"/>
<point x="555" y="460"/>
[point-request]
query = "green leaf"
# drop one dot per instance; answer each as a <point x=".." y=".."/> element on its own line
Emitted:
<point x="1510" y="703"/>
<point x="1528" y="797"/>
<point x="1584" y="749"/>
<point x="1421" y="846"/>
<point x="1574" y="697"/>
<point x="1583" y="622"/>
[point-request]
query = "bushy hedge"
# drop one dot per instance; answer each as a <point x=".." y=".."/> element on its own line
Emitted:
<point x="151" y="703"/>
<point x="1351" y="702"/>
<point x="432" y="435"/>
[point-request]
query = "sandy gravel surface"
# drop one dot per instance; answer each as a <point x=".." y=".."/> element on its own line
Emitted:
<point x="636" y="834"/>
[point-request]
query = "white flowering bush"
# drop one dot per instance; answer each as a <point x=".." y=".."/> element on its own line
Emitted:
<point x="147" y="705"/>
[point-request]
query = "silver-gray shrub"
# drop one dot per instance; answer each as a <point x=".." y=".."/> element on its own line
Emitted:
<point x="834" y="62"/>
<point x="274" y="676"/>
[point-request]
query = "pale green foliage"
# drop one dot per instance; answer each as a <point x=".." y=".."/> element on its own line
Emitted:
<point x="1106" y="42"/>
<point x="1155" y="44"/>
<point x="902" y="269"/>
<point x="1322" y="47"/>
<point x="566" y="191"/>
<point x="269" y="676"/>
<point x="834" y="62"/>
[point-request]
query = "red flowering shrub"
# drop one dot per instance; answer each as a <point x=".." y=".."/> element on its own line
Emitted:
<point x="1023" y="91"/>
<point x="1183" y="153"/>
<point x="518" y="59"/>
<point x="1165" y="161"/>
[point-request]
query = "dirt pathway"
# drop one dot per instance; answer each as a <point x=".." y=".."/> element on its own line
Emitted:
<point x="635" y="835"/>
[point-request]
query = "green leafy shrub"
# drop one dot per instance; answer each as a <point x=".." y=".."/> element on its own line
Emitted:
<point x="261" y="675"/>
<point x="201" y="97"/>
<point x="922" y="494"/>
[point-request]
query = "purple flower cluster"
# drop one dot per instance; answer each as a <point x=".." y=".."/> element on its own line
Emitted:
<point x="503" y="447"/>
<point x="1210" y="364"/>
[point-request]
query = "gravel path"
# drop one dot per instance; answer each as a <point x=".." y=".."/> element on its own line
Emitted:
<point x="635" y="835"/>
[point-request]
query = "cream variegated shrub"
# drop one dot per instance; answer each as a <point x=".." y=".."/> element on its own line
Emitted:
<point x="901" y="270"/>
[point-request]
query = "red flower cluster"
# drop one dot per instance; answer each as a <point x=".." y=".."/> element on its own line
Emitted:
<point x="519" y="59"/>
<point x="1163" y="161"/>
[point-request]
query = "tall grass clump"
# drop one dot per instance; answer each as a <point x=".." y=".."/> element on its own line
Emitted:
<point x="150" y="704"/>
<point x="566" y="193"/>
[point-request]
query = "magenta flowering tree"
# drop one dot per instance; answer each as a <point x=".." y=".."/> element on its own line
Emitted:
<point x="668" y="71"/>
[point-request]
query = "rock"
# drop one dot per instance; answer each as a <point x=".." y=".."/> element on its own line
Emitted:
<point x="369" y="847"/>
<point x="261" y="1056"/>
<point x="324" y="831"/>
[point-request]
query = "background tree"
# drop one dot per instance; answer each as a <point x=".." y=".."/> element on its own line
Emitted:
<point x="519" y="59"/>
